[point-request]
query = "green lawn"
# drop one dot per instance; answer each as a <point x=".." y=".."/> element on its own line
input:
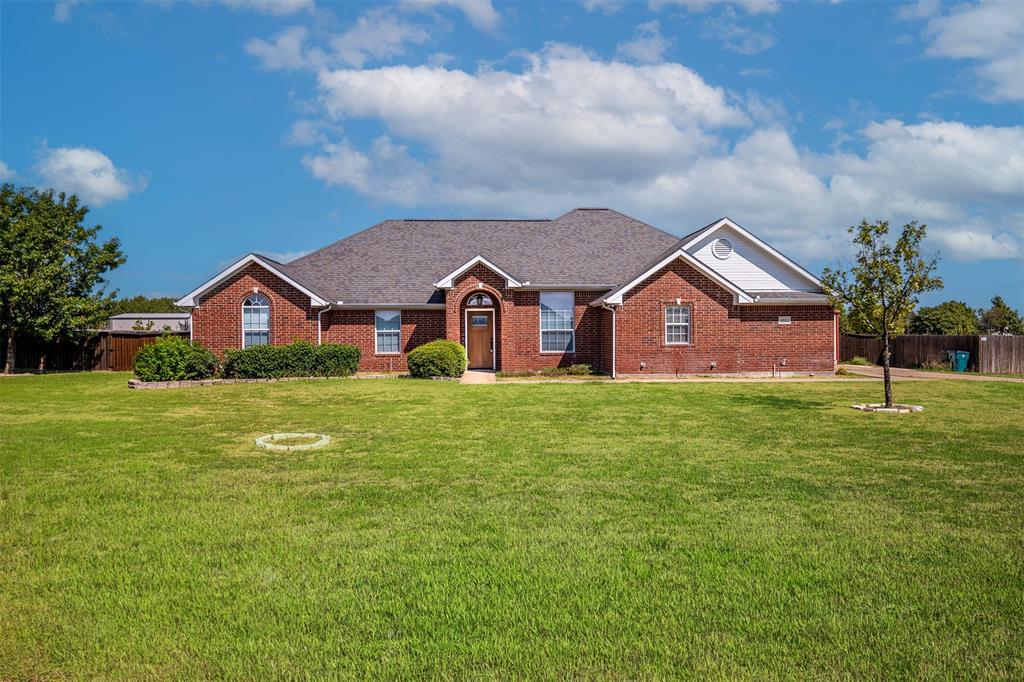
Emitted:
<point x="549" y="530"/>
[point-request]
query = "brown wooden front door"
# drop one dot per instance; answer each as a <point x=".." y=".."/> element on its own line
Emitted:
<point x="480" y="339"/>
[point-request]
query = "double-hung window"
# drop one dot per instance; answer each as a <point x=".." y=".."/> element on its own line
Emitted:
<point x="677" y="324"/>
<point x="389" y="331"/>
<point x="255" y="321"/>
<point x="556" y="322"/>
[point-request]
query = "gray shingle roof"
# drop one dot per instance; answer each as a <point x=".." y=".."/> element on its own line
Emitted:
<point x="397" y="262"/>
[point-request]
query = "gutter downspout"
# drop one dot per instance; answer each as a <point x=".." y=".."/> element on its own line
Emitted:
<point x="612" y="309"/>
<point x="319" y="325"/>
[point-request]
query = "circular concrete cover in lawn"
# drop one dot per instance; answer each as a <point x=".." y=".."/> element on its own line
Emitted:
<point x="893" y="409"/>
<point x="293" y="441"/>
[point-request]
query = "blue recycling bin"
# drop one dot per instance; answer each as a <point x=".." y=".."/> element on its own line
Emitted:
<point x="960" y="359"/>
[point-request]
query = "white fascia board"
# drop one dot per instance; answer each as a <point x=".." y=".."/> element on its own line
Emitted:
<point x="388" y="306"/>
<point x="191" y="299"/>
<point x="448" y="281"/>
<point x="739" y="296"/>
<point x="725" y="222"/>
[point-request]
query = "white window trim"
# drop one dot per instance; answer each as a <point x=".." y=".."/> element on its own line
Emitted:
<point x="377" y="333"/>
<point x="255" y="293"/>
<point x="541" y="330"/>
<point x="494" y="325"/>
<point x="688" y="324"/>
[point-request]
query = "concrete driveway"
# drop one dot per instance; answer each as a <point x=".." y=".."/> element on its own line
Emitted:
<point x="900" y="373"/>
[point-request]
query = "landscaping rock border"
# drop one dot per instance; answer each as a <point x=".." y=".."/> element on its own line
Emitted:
<point x="137" y="384"/>
<point x="895" y="409"/>
<point x="267" y="442"/>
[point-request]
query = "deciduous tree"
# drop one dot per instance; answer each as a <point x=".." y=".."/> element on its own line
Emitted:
<point x="951" y="317"/>
<point x="51" y="267"/>
<point x="881" y="287"/>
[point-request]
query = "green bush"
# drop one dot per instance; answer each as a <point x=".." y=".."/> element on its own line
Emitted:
<point x="172" y="358"/>
<point x="858" y="360"/>
<point x="336" y="360"/>
<point x="298" y="359"/>
<point x="439" y="358"/>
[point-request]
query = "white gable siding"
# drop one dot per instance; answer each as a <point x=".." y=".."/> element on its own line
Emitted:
<point x="750" y="267"/>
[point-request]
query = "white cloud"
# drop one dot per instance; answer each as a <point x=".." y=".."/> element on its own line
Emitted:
<point x="272" y="7"/>
<point x="305" y="133"/>
<point x="991" y="34"/>
<point x="376" y="35"/>
<point x="736" y="37"/>
<point x="87" y="172"/>
<point x="285" y="52"/>
<point x="647" y="45"/>
<point x="603" y="6"/>
<point x="63" y="9"/>
<point x="569" y="129"/>
<point x="481" y="13"/>
<point x="750" y="6"/>
<point x="972" y="245"/>
<point x="283" y="256"/>
<point x="6" y="172"/>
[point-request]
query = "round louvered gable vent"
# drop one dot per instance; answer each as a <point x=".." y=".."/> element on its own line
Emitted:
<point x="722" y="248"/>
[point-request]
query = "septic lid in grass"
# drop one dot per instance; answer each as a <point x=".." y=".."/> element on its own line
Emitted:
<point x="293" y="441"/>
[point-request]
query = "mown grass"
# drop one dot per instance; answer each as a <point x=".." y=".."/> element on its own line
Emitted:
<point x="560" y="530"/>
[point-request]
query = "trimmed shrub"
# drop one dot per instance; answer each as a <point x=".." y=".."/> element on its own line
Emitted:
<point x="439" y="358"/>
<point x="336" y="360"/>
<point x="298" y="359"/>
<point x="172" y="358"/>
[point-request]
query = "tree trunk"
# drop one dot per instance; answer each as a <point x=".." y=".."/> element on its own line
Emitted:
<point x="886" y="375"/>
<point x="42" y="358"/>
<point x="9" y="361"/>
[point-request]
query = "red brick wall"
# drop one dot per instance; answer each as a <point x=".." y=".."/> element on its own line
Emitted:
<point x="523" y="333"/>
<point x="737" y="338"/>
<point x="217" y="321"/>
<point x="517" y="316"/>
<point x="479" y="279"/>
<point x="356" y="327"/>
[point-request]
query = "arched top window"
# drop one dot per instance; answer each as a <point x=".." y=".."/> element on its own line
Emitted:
<point x="255" y="320"/>
<point x="479" y="300"/>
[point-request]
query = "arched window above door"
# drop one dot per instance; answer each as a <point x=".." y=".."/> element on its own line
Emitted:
<point x="478" y="300"/>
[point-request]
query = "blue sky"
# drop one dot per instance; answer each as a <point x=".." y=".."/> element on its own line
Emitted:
<point x="199" y="131"/>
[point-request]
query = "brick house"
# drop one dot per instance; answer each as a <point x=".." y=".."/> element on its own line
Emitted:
<point x="592" y="286"/>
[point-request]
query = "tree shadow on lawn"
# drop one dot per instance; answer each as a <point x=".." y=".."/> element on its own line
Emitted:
<point x="784" y="402"/>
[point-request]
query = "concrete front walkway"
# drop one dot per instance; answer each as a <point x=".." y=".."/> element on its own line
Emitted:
<point x="900" y="373"/>
<point x="478" y="376"/>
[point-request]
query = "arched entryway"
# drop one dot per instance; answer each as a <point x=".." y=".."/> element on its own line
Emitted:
<point x="480" y="319"/>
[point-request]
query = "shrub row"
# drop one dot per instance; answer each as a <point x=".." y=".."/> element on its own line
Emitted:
<point x="172" y="358"/>
<point x="576" y="370"/>
<point x="439" y="358"/>
<point x="299" y="359"/>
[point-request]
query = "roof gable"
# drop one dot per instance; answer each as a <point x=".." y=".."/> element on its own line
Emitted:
<point x="754" y="264"/>
<point x="448" y="281"/>
<point x="615" y="297"/>
<point x="191" y="299"/>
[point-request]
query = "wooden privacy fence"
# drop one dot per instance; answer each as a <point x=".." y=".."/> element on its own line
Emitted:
<point x="105" y="350"/>
<point x="988" y="353"/>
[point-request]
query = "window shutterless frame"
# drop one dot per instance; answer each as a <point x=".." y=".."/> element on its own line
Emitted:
<point x="557" y="322"/>
<point x="255" y="320"/>
<point x="387" y="334"/>
<point x="677" y="325"/>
